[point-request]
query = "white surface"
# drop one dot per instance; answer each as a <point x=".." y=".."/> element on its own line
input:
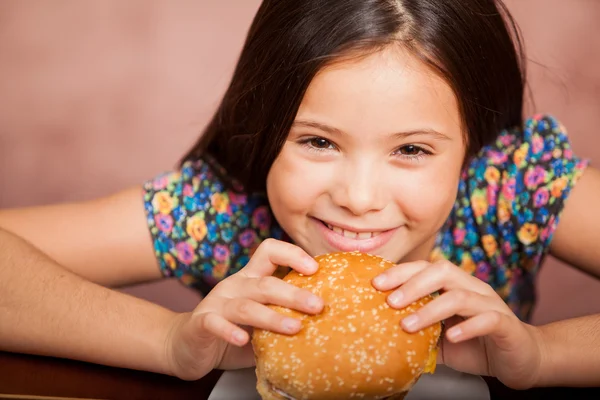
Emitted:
<point x="445" y="384"/>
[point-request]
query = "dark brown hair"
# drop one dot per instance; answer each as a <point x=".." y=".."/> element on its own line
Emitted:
<point x="473" y="44"/>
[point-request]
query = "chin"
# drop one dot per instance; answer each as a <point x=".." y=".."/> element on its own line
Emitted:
<point x="355" y="348"/>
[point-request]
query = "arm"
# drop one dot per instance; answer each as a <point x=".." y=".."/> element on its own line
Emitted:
<point x="571" y="352"/>
<point x="48" y="310"/>
<point x="576" y="240"/>
<point x="105" y="240"/>
<point x="571" y="348"/>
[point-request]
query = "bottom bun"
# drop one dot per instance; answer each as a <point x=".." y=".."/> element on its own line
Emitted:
<point x="355" y="348"/>
<point x="268" y="392"/>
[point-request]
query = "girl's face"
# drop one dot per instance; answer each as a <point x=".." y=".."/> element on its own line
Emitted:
<point x="373" y="159"/>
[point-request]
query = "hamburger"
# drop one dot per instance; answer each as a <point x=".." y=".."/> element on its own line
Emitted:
<point x="355" y="348"/>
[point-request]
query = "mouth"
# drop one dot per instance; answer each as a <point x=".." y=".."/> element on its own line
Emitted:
<point x="346" y="238"/>
<point x="351" y="234"/>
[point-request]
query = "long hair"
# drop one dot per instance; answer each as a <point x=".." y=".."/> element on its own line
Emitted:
<point x="474" y="45"/>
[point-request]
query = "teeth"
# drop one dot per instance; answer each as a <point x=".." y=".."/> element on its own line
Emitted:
<point x="365" y="235"/>
<point x="351" y="234"/>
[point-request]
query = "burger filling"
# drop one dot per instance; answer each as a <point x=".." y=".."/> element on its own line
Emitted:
<point x="290" y="397"/>
<point x="280" y="392"/>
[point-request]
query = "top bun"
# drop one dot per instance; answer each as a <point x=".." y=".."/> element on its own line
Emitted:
<point x="355" y="348"/>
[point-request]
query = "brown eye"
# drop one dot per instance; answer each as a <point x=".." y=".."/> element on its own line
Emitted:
<point x="410" y="150"/>
<point x="320" y="143"/>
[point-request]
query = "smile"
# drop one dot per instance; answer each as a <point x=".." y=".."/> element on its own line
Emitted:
<point x="352" y="234"/>
<point x="347" y="238"/>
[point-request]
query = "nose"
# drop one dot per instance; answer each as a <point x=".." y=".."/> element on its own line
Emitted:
<point x="360" y="189"/>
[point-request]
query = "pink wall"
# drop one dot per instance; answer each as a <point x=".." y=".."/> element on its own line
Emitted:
<point x="97" y="95"/>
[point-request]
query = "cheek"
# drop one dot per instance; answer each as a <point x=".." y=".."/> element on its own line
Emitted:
<point x="293" y="184"/>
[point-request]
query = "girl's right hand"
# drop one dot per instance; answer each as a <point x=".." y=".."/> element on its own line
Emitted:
<point x="217" y="333"/>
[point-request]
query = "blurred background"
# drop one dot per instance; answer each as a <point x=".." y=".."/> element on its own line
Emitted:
<point x="99" y="95"/>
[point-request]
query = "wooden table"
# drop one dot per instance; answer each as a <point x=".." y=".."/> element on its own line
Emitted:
<point x="25" y="377"/>
<point x="45" y="376"/>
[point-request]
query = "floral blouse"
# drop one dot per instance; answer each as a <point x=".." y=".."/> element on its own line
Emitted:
<point x="205" y="227"/>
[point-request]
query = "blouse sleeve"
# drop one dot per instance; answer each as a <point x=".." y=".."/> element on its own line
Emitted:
<point x="204" y="227"/>
<point x="522" y="185"/>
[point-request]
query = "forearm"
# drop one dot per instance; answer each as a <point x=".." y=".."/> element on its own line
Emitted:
<point x="105" y="240"/>
<point x="47" y="310"/>
<point x="571" y="350"/>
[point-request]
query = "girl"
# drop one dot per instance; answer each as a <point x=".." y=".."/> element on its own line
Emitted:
<point x="387" y="126"/>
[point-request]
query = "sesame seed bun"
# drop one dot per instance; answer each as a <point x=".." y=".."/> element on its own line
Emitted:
<point x="355" y="348"/>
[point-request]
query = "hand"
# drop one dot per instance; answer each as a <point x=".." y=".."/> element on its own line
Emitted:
<point x="217" y="333"/>
<point x="483" y="336"/>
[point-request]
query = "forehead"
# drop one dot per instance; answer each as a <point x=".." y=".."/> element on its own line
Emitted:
<point x="386" y="91"/>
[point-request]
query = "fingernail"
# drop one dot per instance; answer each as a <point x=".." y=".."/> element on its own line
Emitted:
<point x="410" y="321"/>
<point x="380" y="280"/>
<point x="313" y="302"/>
<point x="290" y="324"/>
<point x="310" y="263"/>
<point x="453" y="333"/>
<point x="396" y="297"/>
<point x="239" y="337"/>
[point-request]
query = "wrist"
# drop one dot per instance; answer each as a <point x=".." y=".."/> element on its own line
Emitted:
<point x="173" y="326"/>
<point x="547" y="357"/>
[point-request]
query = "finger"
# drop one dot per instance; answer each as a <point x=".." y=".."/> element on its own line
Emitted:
<point x="443" y="276"/>
<point x="448" y="323"/>
<point x="243" y="311"/>
<point x="218" y="326"/>
<point x="489" y="323"/>
<point x="273" y="253"/>
<point x="456" y="302"/>
<point x="271" y="290"/>
<point x="397" y="275"/>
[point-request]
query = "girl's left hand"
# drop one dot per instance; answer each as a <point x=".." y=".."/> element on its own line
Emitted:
<point x="483" y="336"/>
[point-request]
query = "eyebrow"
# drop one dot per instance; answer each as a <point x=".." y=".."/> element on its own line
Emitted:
<point x="402" y="134"/>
